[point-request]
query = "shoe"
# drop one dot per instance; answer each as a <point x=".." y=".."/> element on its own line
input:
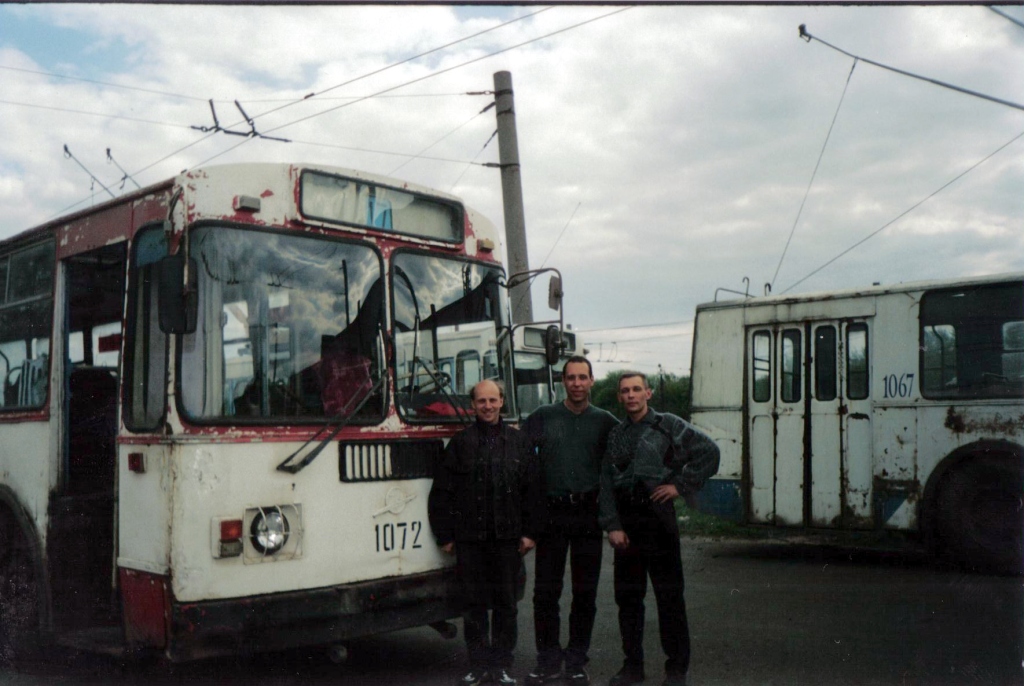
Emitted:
<point x="629" y="674"/>
<point x="474" y="677"/>
<point x="501" y="676"/>
<point x="577" y="676"/>
<point x="674" y="680"/>
<point x="542" y="674"/>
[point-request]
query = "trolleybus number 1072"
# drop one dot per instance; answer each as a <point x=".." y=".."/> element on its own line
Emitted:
<point x="398" y="536"/>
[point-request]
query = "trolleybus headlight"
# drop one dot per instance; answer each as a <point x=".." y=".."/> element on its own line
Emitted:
<point x="269" y="531"/>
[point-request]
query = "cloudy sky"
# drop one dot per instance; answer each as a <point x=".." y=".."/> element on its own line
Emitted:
<point x="666" y="151"/>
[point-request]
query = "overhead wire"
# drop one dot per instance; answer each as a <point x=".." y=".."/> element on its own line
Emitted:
<point x="95" y="114"/>
<point x="103" y="83"/>
<point x="353" y="148"/>
<point x="1006" y="16"/>
<point x="911" y="208"/>
<point x="636" y="326"/>
<point x="401" y="62"/>
<point x="808" y="38"/>
<point x="419" y="79"/>
<point x="307" y="97"/>
<point x="473" y="161"/>
<point x="814" y="174"/>
<point x="420" y="153"/>
<point x="445" y="70"/>
<point x="561" y="233"/>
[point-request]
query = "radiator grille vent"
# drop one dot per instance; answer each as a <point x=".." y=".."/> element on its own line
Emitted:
<point x="388" y="461"/>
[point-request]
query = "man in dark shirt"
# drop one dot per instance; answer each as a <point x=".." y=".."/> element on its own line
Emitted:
<point x="651" y="459"/>
<point x="570" y="437"/>
<point x="485" y="507"/>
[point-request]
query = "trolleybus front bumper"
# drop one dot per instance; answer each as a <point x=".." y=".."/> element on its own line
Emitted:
<point x="306" y="618"/>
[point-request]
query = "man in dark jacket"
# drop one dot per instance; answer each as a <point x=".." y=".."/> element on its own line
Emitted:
<point x="485" y="507"/>
<point x="651" y="459"/>
<point x="570" y="437"/>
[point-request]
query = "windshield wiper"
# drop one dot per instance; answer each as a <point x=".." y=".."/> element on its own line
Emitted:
<point x="343" y="419"/>
<point x="441" y="382"/>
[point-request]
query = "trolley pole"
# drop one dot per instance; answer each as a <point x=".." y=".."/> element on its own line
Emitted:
<point x="512" y="195"/>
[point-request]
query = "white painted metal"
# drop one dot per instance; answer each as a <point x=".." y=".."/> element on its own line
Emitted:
<point x="854" y="444"/>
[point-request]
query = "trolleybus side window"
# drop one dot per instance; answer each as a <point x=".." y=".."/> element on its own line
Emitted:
<point x="972" y="342"/>
<point x="146" y="350"/>
<point x="26" y="319"/>
<point x="792" y="363"/>
<point x="825" y="363"/>
<point x="762" y="366"/>
<point x="857" y="362"/>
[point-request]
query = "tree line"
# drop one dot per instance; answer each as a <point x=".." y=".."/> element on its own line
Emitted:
<point x="671" y="394"/>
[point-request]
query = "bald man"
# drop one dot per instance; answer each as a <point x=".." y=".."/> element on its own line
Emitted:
<point x="485" y="507"/>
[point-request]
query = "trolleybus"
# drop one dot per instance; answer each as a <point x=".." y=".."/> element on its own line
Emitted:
<point x="538" y="381"/>
<point x="889" y="407"/>
<point x="223" y="396"/>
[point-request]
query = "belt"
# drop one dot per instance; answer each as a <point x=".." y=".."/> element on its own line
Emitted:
<point x="573" y="498"/>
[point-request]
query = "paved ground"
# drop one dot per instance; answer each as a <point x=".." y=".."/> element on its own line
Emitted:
<point x="761" y="613"/>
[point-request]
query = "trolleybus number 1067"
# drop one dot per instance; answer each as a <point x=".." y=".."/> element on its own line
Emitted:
<point x="898" y="386"/>
<point x="398" y="536"/>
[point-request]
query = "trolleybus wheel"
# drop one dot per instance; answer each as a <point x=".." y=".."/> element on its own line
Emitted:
<point x="980" y="514"/>
<point x="19" y="618"/>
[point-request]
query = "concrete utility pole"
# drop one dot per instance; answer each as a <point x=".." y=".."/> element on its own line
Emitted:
<point x="512" y="195"/>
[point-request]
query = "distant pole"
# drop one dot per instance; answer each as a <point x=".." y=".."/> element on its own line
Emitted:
<point x="512" y="195"/>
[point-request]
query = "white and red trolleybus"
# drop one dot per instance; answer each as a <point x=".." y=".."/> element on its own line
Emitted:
<point x="222" y="399"/>
<point x="889" y="407"/>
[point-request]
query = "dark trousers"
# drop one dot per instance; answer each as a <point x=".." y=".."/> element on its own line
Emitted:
<point x="572" y="531"/>
<point x="653" y="551"/>
<point x="487" y="572"/>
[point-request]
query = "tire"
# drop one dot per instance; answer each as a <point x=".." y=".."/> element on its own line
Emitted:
<point x="980" y="514"/>
<point x="19" y="595"/>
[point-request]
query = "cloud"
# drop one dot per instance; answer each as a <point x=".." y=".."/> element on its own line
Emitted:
<point x="680" y="140"/>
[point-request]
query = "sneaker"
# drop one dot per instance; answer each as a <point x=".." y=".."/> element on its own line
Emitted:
<point x="629" y="674"/>
<point x="474" y="677"/>
<point x="501" y="676"/>
<point x="576" y="676"/>
<point x="542" y="674"/>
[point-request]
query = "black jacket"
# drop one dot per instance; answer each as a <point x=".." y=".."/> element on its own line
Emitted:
<point x="457" y="507"/>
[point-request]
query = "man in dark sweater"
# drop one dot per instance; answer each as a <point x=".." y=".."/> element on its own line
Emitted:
<point x="652" y="458"/>
<point x="570" y="438"/>
<point x="485" y="507"/>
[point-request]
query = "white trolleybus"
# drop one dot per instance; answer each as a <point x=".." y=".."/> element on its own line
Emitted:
<point x="223" y="396"/>
<point x="538" y="377"/>
<point x="890" y="407"/>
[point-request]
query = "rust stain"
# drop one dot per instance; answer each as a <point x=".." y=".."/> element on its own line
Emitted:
<point x="1012" y="427"/>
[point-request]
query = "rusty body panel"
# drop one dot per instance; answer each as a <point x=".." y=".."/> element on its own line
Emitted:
<point x="875" y="449"/>
<point x="361" y="558"/>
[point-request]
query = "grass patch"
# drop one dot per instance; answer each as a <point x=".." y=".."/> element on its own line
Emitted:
<point x="698" y="524"/>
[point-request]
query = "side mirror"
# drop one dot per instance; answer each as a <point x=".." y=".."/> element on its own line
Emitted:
<point x="552" y="345"/>
<point x="177" y="298"/>
<point x="555" y="293"/>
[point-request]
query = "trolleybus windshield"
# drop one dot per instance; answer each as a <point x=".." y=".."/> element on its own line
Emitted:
<point x="289" y="328"/>
<point x="447" y="314"/>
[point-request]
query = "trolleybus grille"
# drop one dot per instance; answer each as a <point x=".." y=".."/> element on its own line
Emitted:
<point x="388" y="461"/>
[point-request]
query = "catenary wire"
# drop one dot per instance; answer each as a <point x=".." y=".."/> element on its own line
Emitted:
<point x="420" y="155"/>
<point x="417" y="80"/>
<point x="911" y="208"/>
<point x="95" y="114"/>
<point x="245" y="140"/>
<point x="814" y="174"/>
<point x="405" y="61"/>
